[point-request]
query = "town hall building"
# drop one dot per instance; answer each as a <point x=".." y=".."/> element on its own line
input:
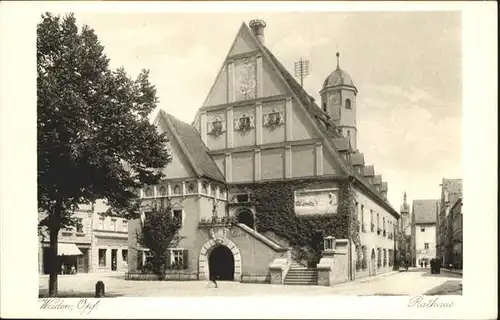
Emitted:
<point x="260" y="157"/>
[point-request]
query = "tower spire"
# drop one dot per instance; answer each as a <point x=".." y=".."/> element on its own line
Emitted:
<point x="338" y="60"/>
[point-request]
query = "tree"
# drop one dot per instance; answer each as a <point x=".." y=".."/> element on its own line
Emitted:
<point x="95" y="140"/>
<point x="159" y="232"/>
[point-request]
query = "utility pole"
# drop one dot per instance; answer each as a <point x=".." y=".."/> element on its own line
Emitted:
<point x="301" y="70"/>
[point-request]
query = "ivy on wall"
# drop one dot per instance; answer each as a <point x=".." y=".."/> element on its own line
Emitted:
<point x="275" y="211"/>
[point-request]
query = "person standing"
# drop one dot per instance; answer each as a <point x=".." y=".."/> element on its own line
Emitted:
<point x="214" y="280"/>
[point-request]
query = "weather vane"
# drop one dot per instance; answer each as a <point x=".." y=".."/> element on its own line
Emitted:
<point x="301" y="70"/>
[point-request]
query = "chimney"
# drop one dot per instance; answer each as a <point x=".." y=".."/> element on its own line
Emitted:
<point x="257" y="27"/>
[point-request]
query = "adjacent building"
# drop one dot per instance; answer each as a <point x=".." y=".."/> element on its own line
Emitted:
<point x="423" y="231"/>
<point x="258" y="127"/>
<point x="405" y="230"/>
<point x="449" y="223"/>
<point x="74" y="245"/>
<point x="95" y="244"/>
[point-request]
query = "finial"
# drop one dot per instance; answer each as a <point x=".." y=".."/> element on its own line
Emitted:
<point x="404" y="197"/>
<point x="338" y="60"/>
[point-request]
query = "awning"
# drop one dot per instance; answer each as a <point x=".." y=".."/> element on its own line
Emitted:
<point x="68" y="249"/>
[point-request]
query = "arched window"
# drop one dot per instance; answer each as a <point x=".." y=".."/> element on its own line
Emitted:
<point x="163" y="191"/>
<point x="324" y="106"/>
<point x="191" y="188"/>
<point x="204" y="190"/>
<point x="149" y="192"/>
<point x="177" y="190"/>
<point x="348" y="103"/>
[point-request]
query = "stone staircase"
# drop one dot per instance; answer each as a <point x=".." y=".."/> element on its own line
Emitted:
<point x="299" y="274"/>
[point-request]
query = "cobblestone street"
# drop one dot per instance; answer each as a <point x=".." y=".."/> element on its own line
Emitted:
<point x="413" y="282"/>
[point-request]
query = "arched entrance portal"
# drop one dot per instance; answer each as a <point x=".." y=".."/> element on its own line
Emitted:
<point x="211" y="247"/>
<point x="221" y="263"/>
<point x="245" y="216"/>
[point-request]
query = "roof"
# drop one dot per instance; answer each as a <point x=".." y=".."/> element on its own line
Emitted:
<point x="357" y="159"/>
<point x="424" y="211"/>
<point x="193" y="147"/>
<point x="338" y="78"/>
<point x="325" y="125"/>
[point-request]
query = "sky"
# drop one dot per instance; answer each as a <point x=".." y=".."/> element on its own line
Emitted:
<point x="405" y="65"/>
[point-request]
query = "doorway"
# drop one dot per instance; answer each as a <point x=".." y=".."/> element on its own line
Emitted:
<point x="221" y="264"/>
<point x="246" y="217"/>
<point x="83" y="261"/>
<point x="114" y="254"/>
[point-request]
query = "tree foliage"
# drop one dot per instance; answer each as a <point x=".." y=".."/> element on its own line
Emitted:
<point x="159" y="232"/>
<point x="94" y="136"/>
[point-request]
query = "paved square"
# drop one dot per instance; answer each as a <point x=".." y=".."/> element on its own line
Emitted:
<point x="413" y="282"/>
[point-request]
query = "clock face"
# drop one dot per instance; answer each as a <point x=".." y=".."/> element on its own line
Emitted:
<point x="334" y="98"/>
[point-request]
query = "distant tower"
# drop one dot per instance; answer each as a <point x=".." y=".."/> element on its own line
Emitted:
<point x="405" y="216"/>
<point x="338" y="99"/>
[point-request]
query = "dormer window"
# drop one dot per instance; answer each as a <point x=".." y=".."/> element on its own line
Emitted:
<point x="348" y="104"/>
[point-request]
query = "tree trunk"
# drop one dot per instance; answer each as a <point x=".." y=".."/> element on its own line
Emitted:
<point x="54" y="227"/>
<point x="54" y="259"/>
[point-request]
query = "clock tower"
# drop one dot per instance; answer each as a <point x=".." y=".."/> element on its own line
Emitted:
<point x="338" y="99"/>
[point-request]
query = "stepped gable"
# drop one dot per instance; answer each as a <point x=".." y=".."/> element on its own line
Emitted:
<point x="384" y="187"/>
<point x="193" y="147"/>
<point x="325" y="125"/>
<point x="377" y="180"/>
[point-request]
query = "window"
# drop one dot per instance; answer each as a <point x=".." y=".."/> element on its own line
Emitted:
<point x="79" y="225"/>
<point x="426" y="245"/>
<point x="113" y="224"/>
<point x="125" y="256"/>
<point x="204" y="190"/>
<point x="191" y="188"/>
<point x="383" y="223"/>
<point x="177" y="214"/>
<point x="163" y="191"/>
<point x="124" y="225"/>
<point x="363" y="218"/>
<point x="242" y="198"/>
<point x="324" y="106"/>
<point x="101" y="223"/>
<point x="244" y="122"/>
<point x="422" y="229"/>
<point x="178" y="259"/>
<point x="212" y="191"/>
<point x="149" y="192"/>
<point x="348" y="133"/>
<point x="378" y="221"/>
<point x="102" y="257"/>
<point x="177" y="190"/>
<point x="216" y="127"/>
<point x="348" y="104"/>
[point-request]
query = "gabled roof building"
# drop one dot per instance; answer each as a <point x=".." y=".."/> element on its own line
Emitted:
<point x="258" y="126"/>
